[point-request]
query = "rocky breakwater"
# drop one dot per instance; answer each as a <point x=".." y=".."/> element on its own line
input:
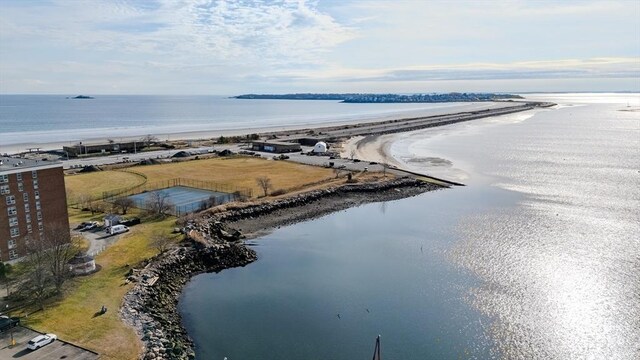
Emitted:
<point x="151" y="306"/>
<point x="213" y="245"/>
<point x="254" y="219"/>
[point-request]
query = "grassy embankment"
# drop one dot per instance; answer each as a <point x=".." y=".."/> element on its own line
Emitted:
<point x="73" y="316"/>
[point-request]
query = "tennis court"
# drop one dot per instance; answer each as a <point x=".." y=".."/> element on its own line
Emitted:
<point x="184" y="199"/>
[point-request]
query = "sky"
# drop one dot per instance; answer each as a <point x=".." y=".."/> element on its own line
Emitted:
<point x="191" y="47"/>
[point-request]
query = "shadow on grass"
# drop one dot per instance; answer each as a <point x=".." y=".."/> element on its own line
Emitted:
<point x="98" y="313"/>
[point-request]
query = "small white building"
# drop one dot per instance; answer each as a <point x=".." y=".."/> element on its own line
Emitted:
<point x="111" y="220"/>
<point x="320" y="147"/>
<point x="82" y="264"/>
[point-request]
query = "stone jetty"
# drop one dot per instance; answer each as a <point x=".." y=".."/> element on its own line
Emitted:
<point x="214" y="243"/>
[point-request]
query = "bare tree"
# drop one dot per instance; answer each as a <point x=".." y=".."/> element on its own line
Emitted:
<point x="36" y="283"/>
<point x="148" y="140"/>
<point x="161" y="241"/>
<point x="59" y="249"/>
<point x="6" y="270"/>
<point x="83" y="200"/>
<point x="158" y="203"/>
<point x="264" y="183"/>
<point x="124" y="203"/>
<point x="337" y="171"/>
<point x="96" y="207"/>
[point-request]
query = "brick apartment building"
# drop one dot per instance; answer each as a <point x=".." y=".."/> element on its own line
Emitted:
<point x="32" y="200"/>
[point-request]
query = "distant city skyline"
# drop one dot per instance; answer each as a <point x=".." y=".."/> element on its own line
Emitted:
<point x="198" y="47"/>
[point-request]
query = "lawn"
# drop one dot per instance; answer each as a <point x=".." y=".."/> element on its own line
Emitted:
<point x="238" y="171"/>
<point x="95" y="183"/>
<point x="74" y="317"/>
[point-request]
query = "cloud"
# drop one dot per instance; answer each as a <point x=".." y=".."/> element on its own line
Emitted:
<point x="559" y="69"/>
<point x="250" y="32"/>
<point x="182" y="46"/>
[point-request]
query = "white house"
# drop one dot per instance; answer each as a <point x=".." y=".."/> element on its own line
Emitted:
<point x="320" y="147"/>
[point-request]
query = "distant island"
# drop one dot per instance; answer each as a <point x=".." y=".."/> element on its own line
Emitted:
<point x="81" y="97"/>
<point x="386" y="98"/>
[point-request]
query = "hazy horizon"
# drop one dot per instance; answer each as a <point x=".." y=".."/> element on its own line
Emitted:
<point x="225" y="48"/>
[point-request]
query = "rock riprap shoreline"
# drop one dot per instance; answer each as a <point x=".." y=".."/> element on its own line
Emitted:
<point x="151" y="306"/>
<point x="213" y="244"/>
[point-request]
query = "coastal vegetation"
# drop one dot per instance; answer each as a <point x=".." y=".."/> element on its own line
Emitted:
<point x="73" y="313"/>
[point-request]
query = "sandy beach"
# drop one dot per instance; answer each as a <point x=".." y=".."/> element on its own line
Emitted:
<point x="21" y="142"/>
<point x="370" y="148"/>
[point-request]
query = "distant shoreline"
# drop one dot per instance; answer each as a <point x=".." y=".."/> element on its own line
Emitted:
<point x="386" y="98"/>
<point x="340" y="128"/>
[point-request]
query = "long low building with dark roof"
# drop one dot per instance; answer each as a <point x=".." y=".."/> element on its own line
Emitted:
<point x="275" y="146"/>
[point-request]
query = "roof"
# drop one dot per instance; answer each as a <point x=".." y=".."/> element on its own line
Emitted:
<point x="280" y="143"/>
<point x="14" y="165"/>
<point x="81" y="259"/>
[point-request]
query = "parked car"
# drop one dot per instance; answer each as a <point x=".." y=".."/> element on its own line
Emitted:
<point x="90" y="226"/>
<point x="40" y="341"/>
<point x="7" y="322"/>
<point x="82" y="225"/>
<point x="118" y="229"/>
<point x="130" y="222"/>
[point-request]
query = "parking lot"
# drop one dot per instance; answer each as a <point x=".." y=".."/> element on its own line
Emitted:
<point x="56" y="350"/>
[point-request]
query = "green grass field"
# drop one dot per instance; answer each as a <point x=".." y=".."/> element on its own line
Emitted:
<point x="73" y="316"/>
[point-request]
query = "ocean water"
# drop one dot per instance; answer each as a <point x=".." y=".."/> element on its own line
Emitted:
<point x="38" y="119"/>
<point x="537" y="258"/>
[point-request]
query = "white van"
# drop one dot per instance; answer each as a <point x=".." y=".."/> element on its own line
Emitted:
<point x="118" y="229"/>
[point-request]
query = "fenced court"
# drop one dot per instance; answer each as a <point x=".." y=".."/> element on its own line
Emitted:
<point x="183" y="195"/>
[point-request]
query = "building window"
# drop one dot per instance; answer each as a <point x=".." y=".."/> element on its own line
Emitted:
<point x="12" y="210"/>
<point x="34" y="174"/>
<point x="38" y="207"/>
<point x="20" y="187"/>
<point x="11" y="200"/>
<point x="26" y="208"/>
<point x="13" y="221"/>
<point x="12" y="243"/>
<point x="37" y="194"/>
<point x="19" y="176"/>
<point x="28" y="217"/>
<point x="29" y="228"/>
<point x="40" y="226"/>
<point x="13" y="254"/>
<point x="25" y="197"/>
<point x="39" y="215"/>
<point x="35" y="184"/>
<point x="15" y="232"/>
<point x="4" y="189"/>
<point x="4" y="179"/>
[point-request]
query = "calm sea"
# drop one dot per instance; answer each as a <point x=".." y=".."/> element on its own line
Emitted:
<point x="38" y="119"/>
<point x="537" y="258"/>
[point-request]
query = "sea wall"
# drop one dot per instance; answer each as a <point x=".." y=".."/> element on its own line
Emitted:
<point x="151" y="306"/>
<point x="212" y="246"/>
